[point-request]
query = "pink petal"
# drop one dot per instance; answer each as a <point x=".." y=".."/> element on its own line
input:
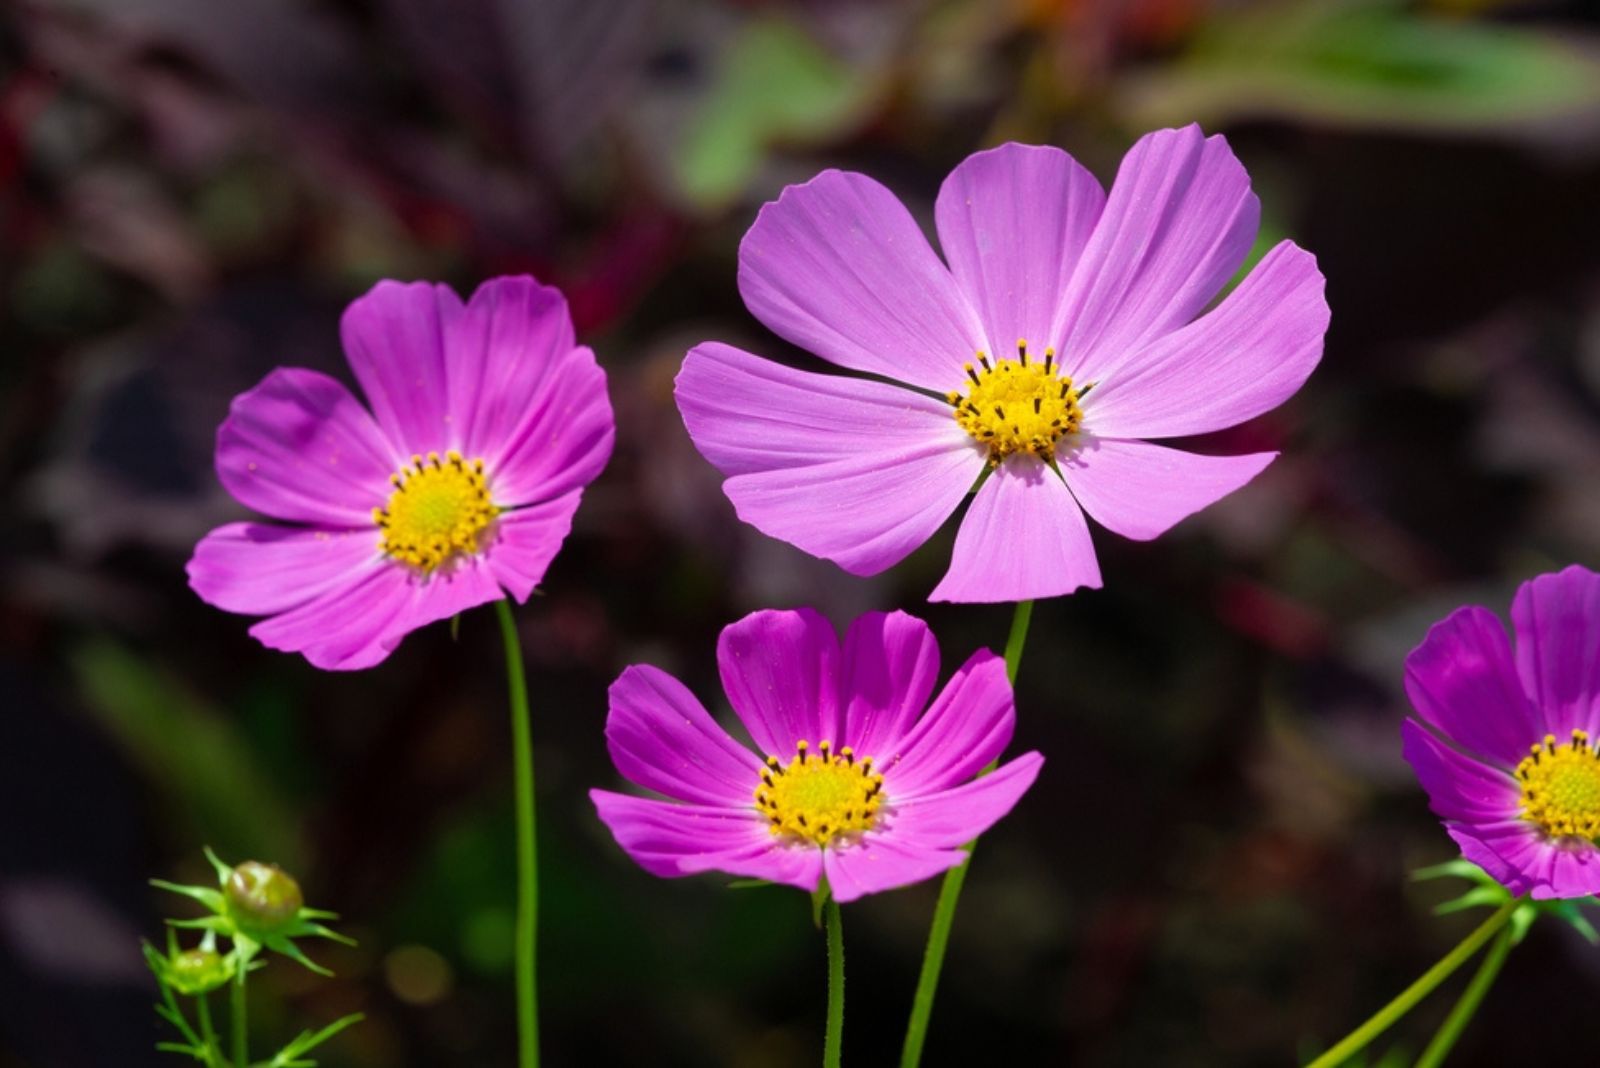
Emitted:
<point x="300" y="447"/>
<point x="661" y="834"/>
<point x="781" y="673"/>
<point x="1246" y="357"/>
<point x="797" y="864"/>
<point x="1023" y="537"/>
<point x="967" y="726"/>
<point x="526" y="540"/>
<point x="891" y="661"/>
<point x="1556" y="619"/>
<point x="1462" y="682"/>
<point x="564" y="439"/>
<point x="879" y="862"/>
<point x="838" y="267"/>
<point x="1013" y="222"/>
<point x="1526" y="862"/>
<point x="262" y="570"/>
<point x="1140" y="490"/>
<point x="1459" y="787"/>
<point x="395" y="338"/>
<point x="663" y="739"/>
<point x="856" y="472"/>
<point x="951" y="818"/>
<point x="1177" y="225"/>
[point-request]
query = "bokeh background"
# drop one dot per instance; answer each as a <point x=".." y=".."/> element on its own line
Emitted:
<point x="1213" y="867"/>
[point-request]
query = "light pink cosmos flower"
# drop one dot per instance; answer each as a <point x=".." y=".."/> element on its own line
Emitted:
<point x="1062" y="333"/>
<point x="487" y="422"/>
<point x="854" y="781"/>
<point x="1505" y="739"/>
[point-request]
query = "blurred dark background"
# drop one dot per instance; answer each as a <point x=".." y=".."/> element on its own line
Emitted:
<point x="1213" y="867"/>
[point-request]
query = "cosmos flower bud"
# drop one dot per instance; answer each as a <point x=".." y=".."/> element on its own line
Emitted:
<point x="197" y="971"/>
<point x="263" y="898"/>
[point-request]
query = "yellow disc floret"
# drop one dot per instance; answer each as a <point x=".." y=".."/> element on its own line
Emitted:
<point x="440" y="508"/>
<point x="819" y="796"/>
<point x="1561" y="787"/>
<point x="1016" y="406"/>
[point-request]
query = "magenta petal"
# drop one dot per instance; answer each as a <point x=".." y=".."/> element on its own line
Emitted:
<point x="262" y="570"/>
<point x="395" y="338"/>
<point x="966" y="727"/>
<point x="1013" y="222"/>
<point x="891" y="661"/>
<point x="1246" y="357"/>
<point x="1177" y="225"/>
<point x="526" y="540"/>
<point x="1556" y="619"/>
<point x="1462" y="682"/>
<point x="564" y="438"/>
<point x="879" y="862"/>
<point x="499" y="354"/>
<point x="661" y="834"/>
<point x="953" y="817"/>
<point x="781" y="673"/>
<point x="1023" y="537"/>
<point x="1459" y="787"/>
<point x="663" y="739"/>
<point x="1526" y="862"/>
<point x="300" y="447"/>
<point x="797" y="864"/>
<point x="1140" y="490"/>
<point x="856" y="472"/>
<point x="838" y="267"/>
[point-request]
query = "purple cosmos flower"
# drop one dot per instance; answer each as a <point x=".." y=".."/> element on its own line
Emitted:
<point x="1504" y="743"/>
<point x="490" y="420"/>
<point x="855" y="781"/>
<point x="1062" y="333"/>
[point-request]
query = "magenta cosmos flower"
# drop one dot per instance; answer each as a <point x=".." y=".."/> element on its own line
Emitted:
<point x="487" y="422"/>
<point x="853" y="781"/>
<point x="1061" y="334"/>
<point x="1504" y="742"/>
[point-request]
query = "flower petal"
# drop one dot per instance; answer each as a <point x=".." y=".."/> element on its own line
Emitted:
<point x="1526" y="862"/>
<point x="838" y="267"/>
<point x="1556" y="619"/>
<point x="797" y="864"/>
<point x="856" y="472"/>
<point x="879" y="862"/>
<point x="891" y="661"/>
<point x="662" y="738"/>
<point x="1013" y="222"/>
<point x="499" y="355"/>
<point x="1461" y="681"/>
<point x="300" y="447"/>
<point x="1023" y="537"/>
<point x="661" y="834"/>
<point x="1245" y="357"/>
<point x="967" y="726"/>
<point x="1140" y="490"/>
<point x="1178" y="223"/>
<point x="395" y="340"/>
<point x="261" y="570"/>
<point x="564" y="439"/>
<point x="781" y="673"/>
<point x="951" y="818"/>
<point x="1458" y="787"/>
<point x="526" y="540"/>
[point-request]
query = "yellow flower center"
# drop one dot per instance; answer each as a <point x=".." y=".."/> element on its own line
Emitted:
<point x="439" y="509"/>
<point x="1561" y="787"/>
<point x="1017" y="406"/>
<point x="819" y="796"/>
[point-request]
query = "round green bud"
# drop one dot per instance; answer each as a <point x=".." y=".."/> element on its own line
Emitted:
<point x="263" y="897"/>
<point x="196" y="971"/>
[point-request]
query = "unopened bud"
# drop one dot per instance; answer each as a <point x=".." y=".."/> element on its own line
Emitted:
<point x="196" y="971"/>
<point x="263" y="897"/>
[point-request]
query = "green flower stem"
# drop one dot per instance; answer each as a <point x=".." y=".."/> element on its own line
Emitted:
<point x="525" y="945"/>
<point x="207" y="1033"/>
<point x="835" y="1033"/>
<point x="240" y="1025"/>
<point x="1461" y="1015"/>
<point x="1357" y="1040"/>
<point x="944" y="912"/>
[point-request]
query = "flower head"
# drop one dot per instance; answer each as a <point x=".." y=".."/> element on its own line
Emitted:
<point x="1058" y="334"/>
<point x="487" y="421"/>
<point x="1504" y="739"/>
<point x="853" y="779"/>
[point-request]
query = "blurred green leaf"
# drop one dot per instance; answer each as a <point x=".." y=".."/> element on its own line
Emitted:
<point x="1366" y="63"/>
<point x="191" y="751"/>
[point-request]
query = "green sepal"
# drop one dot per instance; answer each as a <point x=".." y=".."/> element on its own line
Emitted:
<point x="748" y="884"/>
<point x="1488" y="893"/>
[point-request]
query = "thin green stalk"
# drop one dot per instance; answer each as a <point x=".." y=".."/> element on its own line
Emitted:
<point x="1461" y="1015"/>
<point x="207" y="1033"/>
<point x="834" y="1037"/>
<point x="526" y="940"/>
<point x="241" y="1020"/>
<point x="944" y="912"/>
<point x="1357" y="1040"/>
